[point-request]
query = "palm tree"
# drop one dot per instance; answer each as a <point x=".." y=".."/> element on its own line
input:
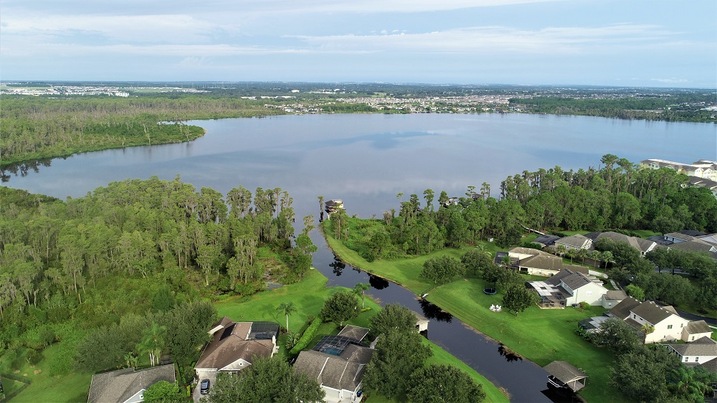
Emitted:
<point x="359" y="291"/>
<point x="687" y="384"/>
<point x="287" y="308"/>
<point x="153" y="342"/>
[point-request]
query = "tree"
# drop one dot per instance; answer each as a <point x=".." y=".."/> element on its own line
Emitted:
<point x="476" y="261"/>
<point x="443" y="383"/>
<point x="635" y="292"/>
<point x="617" y="336"/>
<point x="518" y="298"/>
<point x="153" y="342"/>
<point x="339" y="308"/>
<point x="163" y="392"/>
<point x="393" y="317"/>
<point x="441" y="270"/>
<point x="287" y="308"/>
<point x="359" y="290"/>
<point x="398" y="355"/>
<point x="641" y="375"/>
<point x="266" y="380"/>
<point x="691" y="383"/>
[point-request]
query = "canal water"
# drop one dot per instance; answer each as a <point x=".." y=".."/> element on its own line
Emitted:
<point x="373" y="162"/>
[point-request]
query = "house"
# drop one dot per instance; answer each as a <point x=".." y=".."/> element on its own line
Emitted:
<point x="643" y="246"/>
<point x="702" y="169"/>
<point x="702" y="351"/>
<point x="564" y="375"/>
<point x="535" y="262"/>
<point x="568" y="288"/>
<point x="695" y="330"/>
<point x="235" y="345"/>
<point x="338" y="364"/>
<point x="332" y="206"/>
<point x="661" y="323"/>
<point x="127" y="385"/>
<point x="611" y="298"/>
<point x="574" y="242"/>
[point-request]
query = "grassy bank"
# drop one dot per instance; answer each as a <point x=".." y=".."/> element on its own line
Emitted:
<point x="538" y="335"/>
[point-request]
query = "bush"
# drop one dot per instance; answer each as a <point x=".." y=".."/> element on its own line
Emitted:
<point x="306" y="337"/>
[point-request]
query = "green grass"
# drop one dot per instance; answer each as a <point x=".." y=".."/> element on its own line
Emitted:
<point x="72" y="387"/>
<point x="538" y="335"/>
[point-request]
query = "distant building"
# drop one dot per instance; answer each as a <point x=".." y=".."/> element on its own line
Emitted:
<point x="705" y="169"/>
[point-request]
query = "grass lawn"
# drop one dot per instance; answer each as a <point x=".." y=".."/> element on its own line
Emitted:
<point x="72" y="387"/>
<point x="538" y="335"/>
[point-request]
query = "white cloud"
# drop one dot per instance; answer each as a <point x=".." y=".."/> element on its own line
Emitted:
<point x="558" y="40"/>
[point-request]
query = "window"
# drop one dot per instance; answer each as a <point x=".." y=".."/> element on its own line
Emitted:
<point x="697" y="359"/>
<point x="669" y="327"/>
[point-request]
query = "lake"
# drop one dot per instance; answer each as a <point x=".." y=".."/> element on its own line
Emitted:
<point x="367" y="160"/>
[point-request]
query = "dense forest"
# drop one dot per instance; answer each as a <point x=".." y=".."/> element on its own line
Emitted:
<point x="619" y="197"/>
<point x="135" y="255"/>
<point x="43" y="127"/>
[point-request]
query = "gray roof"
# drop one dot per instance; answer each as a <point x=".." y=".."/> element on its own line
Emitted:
<point x="622" y="310"/>
<point x="642" y="245"/>
<point x="564" y="371"/>
<point x="652" y="312"/>
<point x="355" y="332"/>
<point x="698" y="326"/>
<point x="695" y="245"/>
<point x="700" y="347"/>
<point x="575" y="241"/>
<point x="615" y="295"/>
<point x="120" y="385"/>
<point x="570" y="278"/>
<point x="337" y="372"/>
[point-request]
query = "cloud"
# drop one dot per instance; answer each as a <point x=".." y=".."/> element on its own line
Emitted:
<point x="497" y="39"/>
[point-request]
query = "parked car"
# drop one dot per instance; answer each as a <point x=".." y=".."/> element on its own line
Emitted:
<point x="204" y="386"/>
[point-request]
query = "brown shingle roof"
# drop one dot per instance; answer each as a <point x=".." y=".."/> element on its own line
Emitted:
<point x="231" y="344"/>
<point x="120" y="385"/>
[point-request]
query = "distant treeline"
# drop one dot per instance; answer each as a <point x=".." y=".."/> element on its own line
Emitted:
<point x="676" y="108"/>
<point x="33" y="128"/>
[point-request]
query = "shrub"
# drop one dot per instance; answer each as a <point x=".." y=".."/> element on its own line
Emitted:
<point x="306" y="337"/>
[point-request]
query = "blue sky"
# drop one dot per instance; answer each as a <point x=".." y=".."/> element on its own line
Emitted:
<point x="655" y="43"/>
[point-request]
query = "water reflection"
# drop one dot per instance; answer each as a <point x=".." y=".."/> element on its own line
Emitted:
<point x="337" y="266"/>
<point x="23" y="168"/>
<point x="377" y="282"/>
<point x="431" y="311"/>
<point x="561" y="395"/>
<point x="509" y="354"/>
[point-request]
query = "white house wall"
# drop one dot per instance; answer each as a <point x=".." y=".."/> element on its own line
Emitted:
<point x="668" y="329"/>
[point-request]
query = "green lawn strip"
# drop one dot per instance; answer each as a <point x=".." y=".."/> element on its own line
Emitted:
<point x="443" y="357"/>
<point x="71" y="387"/>
<point x="539" y="335"/>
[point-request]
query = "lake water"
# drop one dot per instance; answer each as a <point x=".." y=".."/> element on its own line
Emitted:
<point x="366" y="160"/>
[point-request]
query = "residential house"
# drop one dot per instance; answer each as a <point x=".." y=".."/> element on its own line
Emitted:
<point x="702" y="169"/>
<point x="695" y="330"/>
<point x="127" y="385"/>
<point x="659" y="323"/>
<point x="702" y="351"/>
<point x="575" y="242"/>
<point x="338" y="364"/>
<point x="235" y="345"/>
<point x="568" y="288"/>
<point x="611" y="298"/>
<point x="535" y="262"/>
<point x="643" y="246"/>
